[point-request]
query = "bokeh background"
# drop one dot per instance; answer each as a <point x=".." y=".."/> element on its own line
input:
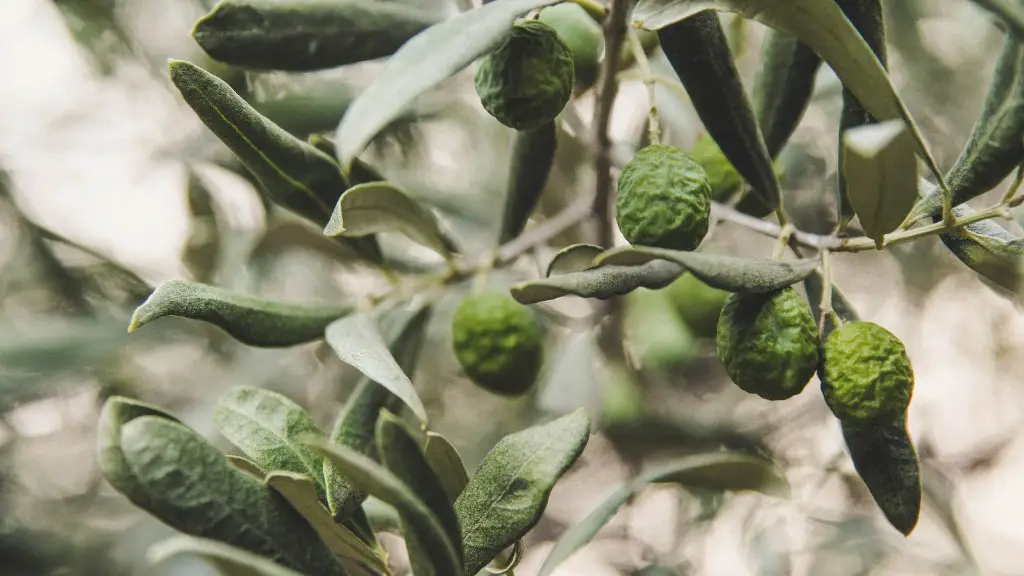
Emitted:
<point x="110" y="185"/>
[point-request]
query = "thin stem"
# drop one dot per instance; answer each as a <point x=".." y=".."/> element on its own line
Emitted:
<point x="1010" y="196"/>
<point x="647" y="77"/>
<point x="863" y="244"/>
<point x="827" y="313"/>
<point x="784" y="236"/>
<point x="596" y="11"/>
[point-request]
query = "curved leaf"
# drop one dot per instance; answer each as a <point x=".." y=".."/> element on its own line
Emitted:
<point x="229" y="560"/>
<point x="574" y="258"/>
<point x="118" y="411"/>
<point x="249" y="319"/>
<point x="247" y="466"/>
<point x="373" y="479"/>
<point x="991" y="251"/>
<point x="730" y="273"/>
<point x="401" y="454"/>
<point x="192" y="488"/>
<point x="823" y="27"/>
<point x="377" y="207"/>
<point x="266" y="426"/>
<point x="886" y="460"/>
<point x="880" y="172"/>
<point x="783" y="87"/>
<point x="422" y="63"/>
<point x="602" y="282"/>
<point x="508" y="493"/>
<point x="302" y="35"/>
<point x="357" y="342"/>
<point x="447" y="464"/>
<point x="533" y="155"/>
<point x="716" y="471"/>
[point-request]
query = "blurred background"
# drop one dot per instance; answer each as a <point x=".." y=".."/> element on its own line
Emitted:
<point x="109" y="184"/>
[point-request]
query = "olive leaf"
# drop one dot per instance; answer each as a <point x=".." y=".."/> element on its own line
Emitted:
<point x="247" y="466"/>
<point x="574" y="258"/>
<point x="509" y="490"/>
<point x="447" y="464"/>
<point x="880" y="171"/>
<point x="814" y="286"/>
<point x="118" y="411"/>
<point x="823" y="27"/>
<point x="533" y="155"/>
<point x="301" y="492"/>
<point x="229" y="560"/>
<point x="990" y="250"/>
<point x="358" y="342"/>
<point x="1012" y="14"/>
<point x="730" y="273"/>
<point x="377" y="207"/>
<point x="190" y="486"/>
<point x="715" y="471"/>
<point x="266" y="426"/>
<point x="400" y="452"/>
<point x="402" y="330"/>
<point x="249" y="319"/>
<point x="698" y="51"/>
<point x="885" y="459"/>
<point x="783" y="87"/>
<point x="302" y="35"/>
<point x="426" y="60"/>
<point x="601" y="282"/>
<point x="995" y="147"/>
<point x="371" y="478"/>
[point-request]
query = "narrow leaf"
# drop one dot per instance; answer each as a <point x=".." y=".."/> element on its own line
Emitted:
<point x="373" y="479"/>
<point x="192" y="488"/>
<point x="823" y="27"/>
<point x="229" y="560"/>
<point x="447" y="464"/>
<point x="991" y="251"/>
<point x="422" y="63"/>
<point x="730" y="273"/>
<point x="301" y="493"/>
<point x="249" y="319"/>
<point x="247" y="466"/>
<point x="266" y="426"/>
<point x="716" y="471"/>
<point x="574" y="258"/>
<point x="784" y="87"/>
<point x="533" y="155"/>
<point x="357" y="342"/>
<point x="509" y="491"/>
<point x="378" y="207"/>
<point x="401" y="454"/>
<point x="886" y="460"/>
<point x="880" y="170"/>
<point x="301" y="35"/>
<point x="602" y="282"/>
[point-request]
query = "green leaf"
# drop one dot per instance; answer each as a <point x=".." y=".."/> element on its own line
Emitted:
<point x="880" y="170"/>
<point x="247" y="466"/>
<point x="400" y="452"/>
<point x="509" y="491"/>
<point x="302" y="35"/>
<point x="358" y="342"/>
<point x="192" y="488"/>
<point x="601" y="282"/>
<point x="995" y="147"/>
<point x="715" y="471"/>
<point x="574" y="258"/>
<point x="249" y="319"/>
<point x="886" y="460"/>
<point x="730" y="273"/>
<point x="118" y="411"/>
<point x="814" y="286"/>
<point x="378" y="207"/>
<point x="533" y="155"/>
<point x="422" y="63"/>
<point x="823" y="27"/>
<point x="447" y="464"/>
<point x="301" y="492"/>
<point x="373" y="479"/>
<point x="228" y="560"/>
<point x="991" y="251"/>
<point x="403" y="331"/>
<point x="1007" y="11"/>
<point x="783" y="87"/>
<point x="266" y="426"/>
<point x="698" y="51"/>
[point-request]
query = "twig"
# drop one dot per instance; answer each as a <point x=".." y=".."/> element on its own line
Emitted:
<point x="544" y="232"/>
<point x="654" y="127"/>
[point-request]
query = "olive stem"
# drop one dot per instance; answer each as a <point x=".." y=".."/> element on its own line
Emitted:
<point x="827" y="313"/>
<point x="647" y="77"/>
<point x="595" y="10"/>
<point x="1010" y="197"/>
<point x="784" y="236"/>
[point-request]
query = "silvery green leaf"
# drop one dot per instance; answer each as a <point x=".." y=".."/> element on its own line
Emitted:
<point x="429" y="58"/>
<point x="574" y="258"/>
<point x="880" y="170"/>
<point x="118" y="411"/>
<point x="991" y="251"/>
<point x="509" y="490"/>
<point x="447" y="464"/>
<point x="601" y="282"/>
<point x="533" y="155"/>
<point x="377" y="207"/>
<point x="730" y="273"/>
<point x="714" y="471"/>
<point x="886" y="460"/>
<point x="302" y="35"/>
<point x="247" y="466"/>
<point x="784" y="87"/>
<point x="249" y="319"/>
<point x="229" y="560"/>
